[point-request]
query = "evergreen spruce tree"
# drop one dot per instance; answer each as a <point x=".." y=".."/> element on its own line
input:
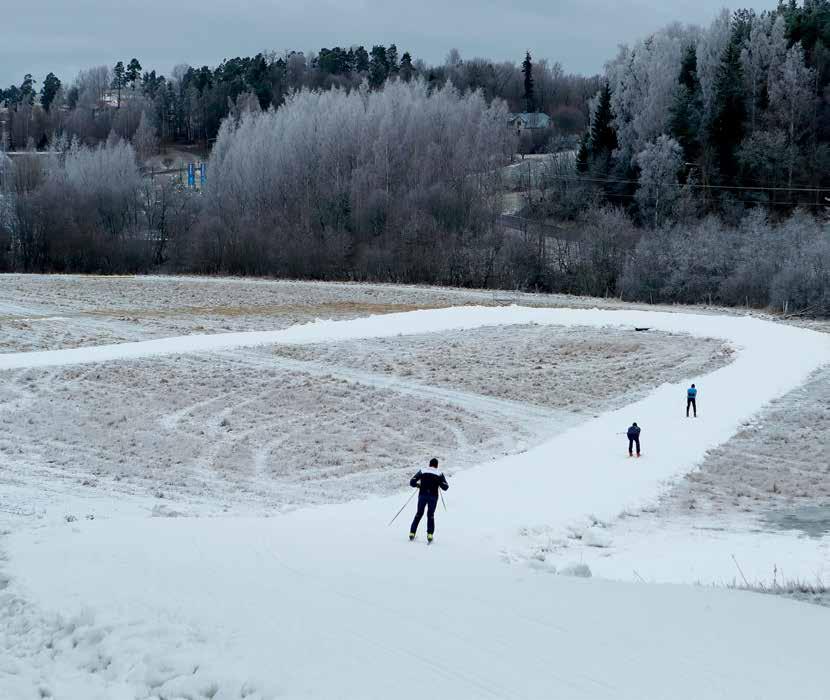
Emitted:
<point x="726" y="130"/>
<point x="529" y="96"/>
<point x="684" y="122"/>
<point x="596" y="150"/>
<point x="603" y="135"/>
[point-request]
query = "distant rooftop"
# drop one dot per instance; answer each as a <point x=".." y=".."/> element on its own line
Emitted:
<point x="530" y="120"/>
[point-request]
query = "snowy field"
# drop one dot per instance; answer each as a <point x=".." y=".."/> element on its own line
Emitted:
<point x="50" y="312"/>
<point x="205" y="516"/>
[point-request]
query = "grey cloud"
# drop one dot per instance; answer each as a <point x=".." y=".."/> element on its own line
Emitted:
<point x="64" y="37"/>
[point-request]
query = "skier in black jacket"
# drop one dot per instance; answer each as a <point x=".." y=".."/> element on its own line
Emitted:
<point x="429" y="481"/>
<point x="633" y="437"/>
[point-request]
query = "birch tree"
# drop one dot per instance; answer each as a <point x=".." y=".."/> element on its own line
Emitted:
<point x="791" y="97"/>
<point x="756" y="56"/>
<point x="659" y="163"/>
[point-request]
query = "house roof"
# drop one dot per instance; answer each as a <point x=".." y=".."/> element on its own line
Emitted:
<point x="531" y="120"/>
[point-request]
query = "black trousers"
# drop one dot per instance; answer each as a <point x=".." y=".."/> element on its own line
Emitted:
<point x="631" y="442"/>
<point x="693" y="404"/>
<point x="428" y="501"/>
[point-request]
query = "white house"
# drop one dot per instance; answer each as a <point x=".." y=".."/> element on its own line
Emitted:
<point x="529" y="120"/>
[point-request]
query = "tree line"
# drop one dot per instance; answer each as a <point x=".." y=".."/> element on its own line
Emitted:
<point x="736" y="115"/>
<point x="700" y="178"/>
<point x="401" y="183"/>
<point x="188" y="105"/>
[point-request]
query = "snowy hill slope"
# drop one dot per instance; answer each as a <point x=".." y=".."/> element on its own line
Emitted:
<point x="330" y="602"/>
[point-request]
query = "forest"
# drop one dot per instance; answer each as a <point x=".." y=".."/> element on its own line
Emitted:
<point x="188" y="106"/>
<point x="695" y="169"/>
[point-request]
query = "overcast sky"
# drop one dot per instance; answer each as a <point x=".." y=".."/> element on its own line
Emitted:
<point x="63" y="36"/>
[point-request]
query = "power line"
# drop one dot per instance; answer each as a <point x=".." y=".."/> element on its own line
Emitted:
<point x="754" y="202"/>
<point x="695" y="185"/>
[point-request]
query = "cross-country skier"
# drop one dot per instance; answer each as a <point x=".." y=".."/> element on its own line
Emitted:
<point x="429" y="481"/>
<point x="633" y="438"/>
<point x="691" y="400"/>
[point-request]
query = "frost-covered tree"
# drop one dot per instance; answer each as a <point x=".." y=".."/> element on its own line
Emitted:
<point x="764" y="158"/>
<point x="643" y="82"/>
<point x="791" y="97"/>
<point x="660" y="163"/>
<point x="756" y="56"/>
<point x="244" y="103"/>
<point x="332" y="167"/>
<point x="107" y="178"/>
<point x="710" y="51"/>
<point x="145" y="139"/>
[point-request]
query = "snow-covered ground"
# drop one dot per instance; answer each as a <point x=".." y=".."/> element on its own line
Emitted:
<point x="103" y="600"/>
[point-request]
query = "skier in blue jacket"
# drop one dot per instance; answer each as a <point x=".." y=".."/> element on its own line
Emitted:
<point x="428" y="481"/>
<point x="691" y="400"/>
<point x="633" y="438"/>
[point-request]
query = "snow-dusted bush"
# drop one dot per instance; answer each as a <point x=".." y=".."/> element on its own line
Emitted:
<point x="803" y="283"/>
<point x="80" y="210"/>
<point x="786" y="266"/>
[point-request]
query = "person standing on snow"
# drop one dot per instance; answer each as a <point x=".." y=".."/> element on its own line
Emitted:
<point x="428" y="481"/>
<point x="691" y="400"/>
<point x="633" y="438"/>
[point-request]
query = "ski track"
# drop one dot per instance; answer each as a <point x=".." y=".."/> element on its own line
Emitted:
<point x="289" y="606"/>
<point x="539" y="417"/>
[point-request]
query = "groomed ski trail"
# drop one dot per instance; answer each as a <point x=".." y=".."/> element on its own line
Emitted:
<point x="330" y="602"/>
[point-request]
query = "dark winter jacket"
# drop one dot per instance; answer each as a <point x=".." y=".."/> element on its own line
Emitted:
<point x="691" y="392"/>
<point x="634" y="432"/>
<point x="429" y="481"/>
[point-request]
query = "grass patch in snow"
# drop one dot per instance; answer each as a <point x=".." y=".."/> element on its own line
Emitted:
<point x="816" y="592"/>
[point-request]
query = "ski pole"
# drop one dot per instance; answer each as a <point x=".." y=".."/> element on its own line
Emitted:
<point x="443" y="501"/>
<point x="402" y="507"/>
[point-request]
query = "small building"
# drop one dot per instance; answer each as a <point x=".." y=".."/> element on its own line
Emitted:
<point x="529" y="120"/>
